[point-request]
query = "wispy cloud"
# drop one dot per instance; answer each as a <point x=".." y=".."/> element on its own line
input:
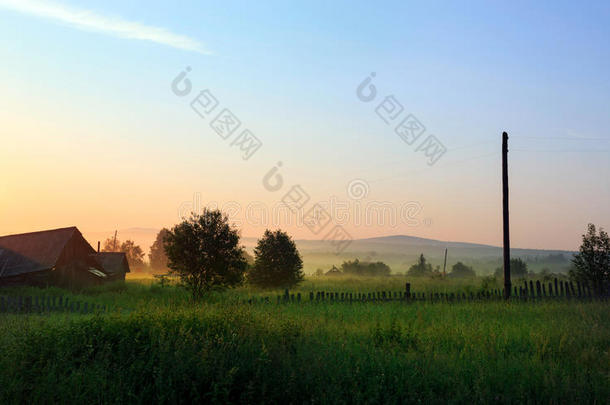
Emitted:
<point x="89" y="20"/>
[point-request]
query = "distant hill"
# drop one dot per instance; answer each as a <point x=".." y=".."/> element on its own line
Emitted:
<point x="401" y="251"/>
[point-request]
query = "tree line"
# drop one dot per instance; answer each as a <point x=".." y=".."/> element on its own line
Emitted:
<point x="203" y="251"/>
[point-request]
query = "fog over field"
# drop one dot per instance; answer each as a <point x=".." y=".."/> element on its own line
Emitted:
<point x="397" y="251"/>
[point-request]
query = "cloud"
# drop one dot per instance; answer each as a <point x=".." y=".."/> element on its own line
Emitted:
<point x="88" y="20"/>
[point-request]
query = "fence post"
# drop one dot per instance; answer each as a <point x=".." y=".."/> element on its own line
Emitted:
<point x="28" y="304"/>
<point x="544" y="290"/>
<point x="2" y="305"/>
<point x="556" y="289"/>
<point x="538" y="289"/>
<point x="561" y="289"/>
<point x="579" y="289"/>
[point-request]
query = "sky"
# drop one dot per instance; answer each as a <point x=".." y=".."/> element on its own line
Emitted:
<point x="95" y="135"/>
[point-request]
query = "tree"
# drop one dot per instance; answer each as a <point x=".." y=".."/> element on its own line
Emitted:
<point x="157" y="256"/>
<point x="591" y="265"/>
<point x="421" y="268"/>
<point x="460" y="270"/>
<point x="133" y="252"/>
<point x="204" y="252"/>
<point x="518" y="268"/>
<point x="358" y="268"/>
<point x="111" y="245"/>
<point x="277" y="262"/>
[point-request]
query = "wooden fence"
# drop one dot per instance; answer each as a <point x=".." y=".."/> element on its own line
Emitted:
<point x="532" y="291"/>
<point x="20" y="304"/>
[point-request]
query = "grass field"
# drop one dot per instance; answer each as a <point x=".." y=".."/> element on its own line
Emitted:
<point x="157" y="346"/>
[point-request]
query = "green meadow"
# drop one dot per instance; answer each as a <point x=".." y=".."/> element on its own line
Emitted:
<point x="155" y="345"/>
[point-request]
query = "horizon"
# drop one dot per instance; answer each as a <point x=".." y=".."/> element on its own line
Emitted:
<point x="391" y="128"/>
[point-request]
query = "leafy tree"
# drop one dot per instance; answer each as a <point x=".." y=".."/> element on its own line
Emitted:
<point x="591" y="265"/>
<point x="460" y="270"/>
<point x="111" y="245"/>
<point x="421" y="268"/>
<point x="518" y="268"/>
<point x="358" y="268"/>
<point x="277" y="262"/>
<point x="157" y="256"/>
<point x="133" y="252"/>
<point x="204" y="252"/>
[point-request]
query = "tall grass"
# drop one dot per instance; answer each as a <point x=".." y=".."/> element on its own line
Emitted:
<point x="167" y="349"/>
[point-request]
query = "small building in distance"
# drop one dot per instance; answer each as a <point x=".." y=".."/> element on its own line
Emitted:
<point x="60" y="257"/>
<point x="334" y="271"/>
<point x="114" y="264"/>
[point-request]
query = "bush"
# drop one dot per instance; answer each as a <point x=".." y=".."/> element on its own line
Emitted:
<point x="460" y="270"/>
<point x="421" y="268"/>
<point x="358" y="268"/>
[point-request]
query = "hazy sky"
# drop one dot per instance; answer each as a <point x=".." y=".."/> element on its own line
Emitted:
<point x="93" y="136"/>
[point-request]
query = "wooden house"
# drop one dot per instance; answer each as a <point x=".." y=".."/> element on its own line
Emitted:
<point x="114" y="264"/>
<point x="60" y="257"/>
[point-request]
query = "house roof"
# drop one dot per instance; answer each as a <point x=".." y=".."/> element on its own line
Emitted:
<point x="33" y="251"/>
<point x="333" y="271"/>
<point x="112" y="262"/>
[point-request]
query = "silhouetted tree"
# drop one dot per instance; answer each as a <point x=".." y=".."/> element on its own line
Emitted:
<point x="111" y="245"/>
<point x="421" y="268"/>
<point x="277" y="262"/>
<point x="133" y="252"/>
<point x="204" y="252"/>
<point x="460" y="270"/>
<point x="157" y="256"/>
<point x="591" y="265"/>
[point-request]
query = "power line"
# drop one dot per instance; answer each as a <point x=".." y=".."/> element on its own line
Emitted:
<point x="564" y="138"/>
<point x="560" y="151"/>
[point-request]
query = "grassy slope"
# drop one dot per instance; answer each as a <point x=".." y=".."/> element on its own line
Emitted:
<point x="168" y="350"/>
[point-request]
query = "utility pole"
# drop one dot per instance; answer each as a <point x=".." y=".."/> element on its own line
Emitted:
<point x="507" y="284"/>
<point x="114" y="244"/>
<point x="445" y="264"/>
